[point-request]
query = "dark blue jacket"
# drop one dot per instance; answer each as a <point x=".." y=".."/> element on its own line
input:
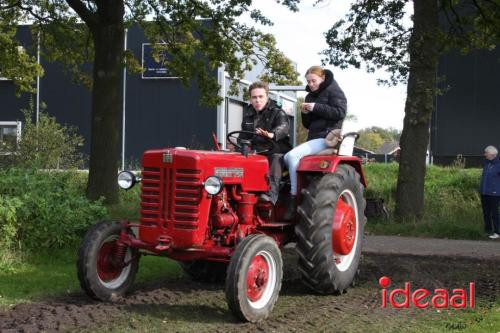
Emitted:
<point x="490" y="181"/>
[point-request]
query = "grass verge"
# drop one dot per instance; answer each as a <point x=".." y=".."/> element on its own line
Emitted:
<point x="32" y="277"/>
<point x="452" y="203"/>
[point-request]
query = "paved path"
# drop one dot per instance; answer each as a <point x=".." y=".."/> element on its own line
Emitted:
<point x="432" y="247"/>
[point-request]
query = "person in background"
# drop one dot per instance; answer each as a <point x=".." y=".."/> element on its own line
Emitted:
<point x="324" y="110"/>
<point x="490" y="192"/>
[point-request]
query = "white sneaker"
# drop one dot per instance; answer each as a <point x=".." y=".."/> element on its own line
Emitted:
<point x="494" y="236"/>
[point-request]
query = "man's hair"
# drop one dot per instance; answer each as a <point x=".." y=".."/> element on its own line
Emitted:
<point x="491" y="150"/>
<point x="258" y="84"/>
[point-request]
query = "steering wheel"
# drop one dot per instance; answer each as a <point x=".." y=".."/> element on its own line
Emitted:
<point x="243" y="144"/>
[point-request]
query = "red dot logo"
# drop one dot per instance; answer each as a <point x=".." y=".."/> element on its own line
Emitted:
<point x="384" y="282"/>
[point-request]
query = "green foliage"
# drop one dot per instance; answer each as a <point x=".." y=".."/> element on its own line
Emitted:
<point x="128" y="207"/>
<point x="452" y="203"/>
<point x="373" y="137"/>
<point x="44" y="209"/>
<point x="48" y="145"/>
<point x="370" y="140"/>
<point x="301" y="130"/>
<point x="15" y="63"/>
<point x="375" y="34"/>
<point x="387" y="134"/>
<point x="8" y="213"/>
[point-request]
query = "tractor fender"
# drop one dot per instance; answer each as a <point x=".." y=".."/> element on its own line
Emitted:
<point x="328" y="164"/>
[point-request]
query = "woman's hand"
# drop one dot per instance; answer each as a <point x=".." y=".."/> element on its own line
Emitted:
<point x="261" y="132"/>
<point x="307" y="107"/>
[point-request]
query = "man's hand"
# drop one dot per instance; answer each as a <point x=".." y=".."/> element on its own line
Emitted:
<point x="230" y="146"/>
<point x="261" y="132"/>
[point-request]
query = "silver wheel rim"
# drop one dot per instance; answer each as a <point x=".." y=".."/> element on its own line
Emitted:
<point x="271" y="283"/>
<point x="117" y="282"/>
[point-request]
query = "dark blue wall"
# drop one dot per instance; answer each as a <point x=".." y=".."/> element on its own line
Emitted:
<point x="159" y="112"/>
<point x="467" y="115"/>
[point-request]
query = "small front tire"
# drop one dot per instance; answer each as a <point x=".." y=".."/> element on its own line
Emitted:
<point x="254" y="278"/>
<point x="101" y="276"/>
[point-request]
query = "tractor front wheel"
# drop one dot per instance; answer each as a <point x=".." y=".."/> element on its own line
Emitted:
<point x="106" y="268"/>
<point x="254" y="278"/>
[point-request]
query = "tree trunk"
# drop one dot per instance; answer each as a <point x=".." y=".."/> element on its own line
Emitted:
<point x="421" y="92"/>
<point x="108" y="34"/>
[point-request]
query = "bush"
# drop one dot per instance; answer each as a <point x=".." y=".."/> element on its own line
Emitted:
<point x="49" y="145"/>
<point x="41" y="209"/>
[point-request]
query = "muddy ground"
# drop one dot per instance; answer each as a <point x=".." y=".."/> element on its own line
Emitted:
<point x="180" y="305"/>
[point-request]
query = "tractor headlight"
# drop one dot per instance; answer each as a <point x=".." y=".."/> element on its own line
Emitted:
<point x="213" y="185"/>
<point x="127" y="180"/>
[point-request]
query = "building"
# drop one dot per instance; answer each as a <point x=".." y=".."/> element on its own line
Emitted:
<point x="466" y="117"/>
<point x="158" y="110"/>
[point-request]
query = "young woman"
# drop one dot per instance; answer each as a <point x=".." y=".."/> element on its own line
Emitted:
<point x="324" y="110"/>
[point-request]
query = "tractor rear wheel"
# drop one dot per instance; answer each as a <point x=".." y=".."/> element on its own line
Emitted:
<point x="254" y="278"/>
<point x="330" y="231"/>
<point x="106" y="269"/>
<point x="205" y="271"/>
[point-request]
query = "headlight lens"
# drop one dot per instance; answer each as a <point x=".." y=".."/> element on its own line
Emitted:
<point x="126" y="180"/>
<point x="213" y="185"/>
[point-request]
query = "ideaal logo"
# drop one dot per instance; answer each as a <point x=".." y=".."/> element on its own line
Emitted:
<point x="423" y="298"/>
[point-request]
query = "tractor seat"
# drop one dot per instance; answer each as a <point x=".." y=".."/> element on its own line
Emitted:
<point x="339" y="144"/>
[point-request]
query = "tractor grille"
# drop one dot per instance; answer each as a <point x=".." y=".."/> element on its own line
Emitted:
<point x="171" y="195"/>
<point x="150" y="196"/>
<point x="187" y="198"/>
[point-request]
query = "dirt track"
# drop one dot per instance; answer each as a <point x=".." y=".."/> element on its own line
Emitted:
<point x="180" y="305"/>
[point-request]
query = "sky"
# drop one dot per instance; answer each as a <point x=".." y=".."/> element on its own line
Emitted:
<point x="301" y="37"/>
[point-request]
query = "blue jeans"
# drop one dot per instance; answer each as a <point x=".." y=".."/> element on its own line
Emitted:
<point x="292" y="158"/>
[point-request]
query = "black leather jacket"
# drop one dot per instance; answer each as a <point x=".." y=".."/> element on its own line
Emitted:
<point x="272" y="119"/>
<point x="329" y="111"/>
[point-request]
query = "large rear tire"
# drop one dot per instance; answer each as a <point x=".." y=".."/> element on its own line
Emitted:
<point x="101" y="276"/>
<point x="330" y="231"/>
<point x="254" y="278"/>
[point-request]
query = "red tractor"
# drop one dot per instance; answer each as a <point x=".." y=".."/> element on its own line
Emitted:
<point x="202" y="209"/>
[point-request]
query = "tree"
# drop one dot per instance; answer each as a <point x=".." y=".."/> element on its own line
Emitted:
<point x="370" y="140"/>
<point x="386" y="134"/>
<point x="15" y="63"/>
<point x="75" y="31"/>
<point x="374" y="34"/>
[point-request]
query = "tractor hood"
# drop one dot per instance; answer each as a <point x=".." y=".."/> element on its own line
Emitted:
<point x="233" y="168"/>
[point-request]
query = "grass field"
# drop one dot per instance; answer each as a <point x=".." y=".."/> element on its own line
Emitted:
<point x="452" y="203"/>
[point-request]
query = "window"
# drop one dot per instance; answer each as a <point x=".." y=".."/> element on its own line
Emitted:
<point x="10" y="134"/>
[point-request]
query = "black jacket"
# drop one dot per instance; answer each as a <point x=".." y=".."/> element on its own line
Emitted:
<point x="329" y="111"/>
<point x="272" y="119"/>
